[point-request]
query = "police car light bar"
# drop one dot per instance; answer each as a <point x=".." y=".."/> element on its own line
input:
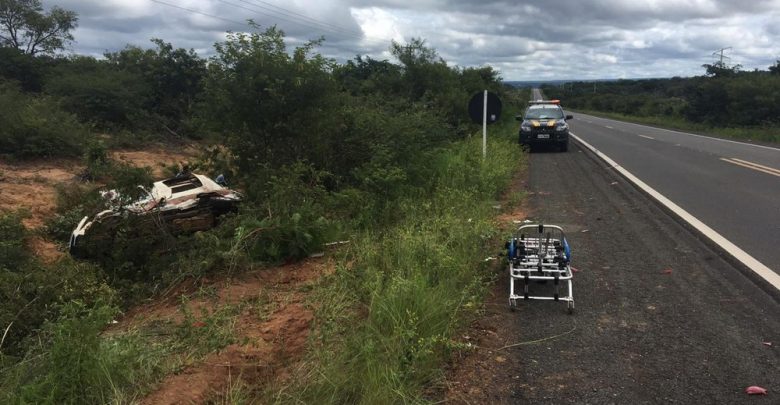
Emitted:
<point x="544" y="102"/>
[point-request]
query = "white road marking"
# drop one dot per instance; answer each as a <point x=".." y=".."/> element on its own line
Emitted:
<point x="757" y="267"/>
<point x="753" y="166"/>
<point x="609" y="127"/>
<point x="698" y="136"/>
<point x="648" y="137"/>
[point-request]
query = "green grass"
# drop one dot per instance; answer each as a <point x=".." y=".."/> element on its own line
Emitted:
<point x="762" y="134"/>
<point x="76" y="362"/>
<point x="387" y="318"/>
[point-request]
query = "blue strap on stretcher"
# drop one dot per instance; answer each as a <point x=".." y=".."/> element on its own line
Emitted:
<point x="566" y="249"/>
<point x="512" y="249"/>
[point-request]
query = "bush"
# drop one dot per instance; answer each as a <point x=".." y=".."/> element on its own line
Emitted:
<point x="36" y="126"/>
<point x="73" y="364"/>
<point x="100" y="94"/>
<point x="13" y="251"/>
<point x="32" y="292"/>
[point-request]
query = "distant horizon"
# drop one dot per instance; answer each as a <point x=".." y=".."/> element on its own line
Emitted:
<point x="558" y="81"/>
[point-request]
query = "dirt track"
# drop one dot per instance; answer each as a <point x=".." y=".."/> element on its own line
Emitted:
<point x="660" y="318"/>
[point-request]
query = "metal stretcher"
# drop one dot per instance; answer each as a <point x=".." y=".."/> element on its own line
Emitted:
<point x="540" y="254"/>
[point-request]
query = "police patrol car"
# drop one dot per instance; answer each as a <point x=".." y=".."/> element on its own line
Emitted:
<point x="544" y="123"/>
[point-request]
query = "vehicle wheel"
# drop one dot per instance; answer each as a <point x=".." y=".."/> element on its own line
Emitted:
<point x="564" y="146"/>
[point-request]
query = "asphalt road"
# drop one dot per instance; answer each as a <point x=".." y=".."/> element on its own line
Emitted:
<point x="660" y="316"/>
<point x="732" y="187"/>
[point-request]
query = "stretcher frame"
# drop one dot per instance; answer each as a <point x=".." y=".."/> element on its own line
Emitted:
<point x="540" y="253"/>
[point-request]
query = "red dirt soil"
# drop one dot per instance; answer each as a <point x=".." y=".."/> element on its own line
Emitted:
<point x="31" y="185"/>
<point x="267" y="347"/>
<point x="155" y="158"/>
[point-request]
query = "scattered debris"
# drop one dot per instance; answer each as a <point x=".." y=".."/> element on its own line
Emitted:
<point x="768" y="344"/>
<point x="613" y="183"/>
<point x="584" y="231"/>
<point x="489" y="258"/>
<point x="667" y="271"/>
<point x="755" y="390"/>
<point x="318" y="254"/>
<point x="574" y="269"/>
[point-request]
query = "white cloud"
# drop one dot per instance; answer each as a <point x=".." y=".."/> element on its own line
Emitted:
<point x="528" y="39"/>
<point x="377" y="24"/>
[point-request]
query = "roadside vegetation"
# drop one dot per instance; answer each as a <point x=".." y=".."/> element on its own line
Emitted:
<point x="725" y="102"/>
<point x="380" y="153"/>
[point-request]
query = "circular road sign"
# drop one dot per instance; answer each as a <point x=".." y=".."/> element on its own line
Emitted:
<point x="476" y="105"/>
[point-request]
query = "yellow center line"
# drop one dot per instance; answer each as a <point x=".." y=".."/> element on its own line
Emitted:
<point x="771" y="169"/>
<point x="754" y="166"/>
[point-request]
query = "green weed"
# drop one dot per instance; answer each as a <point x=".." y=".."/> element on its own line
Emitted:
<point x="408" y="287"/>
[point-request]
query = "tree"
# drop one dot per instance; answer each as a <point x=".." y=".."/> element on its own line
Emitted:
<point x="720" y="69"/>
<point x="25" y="26"/>
<point x="174" y="76"/>
<point x="775" y="69"/>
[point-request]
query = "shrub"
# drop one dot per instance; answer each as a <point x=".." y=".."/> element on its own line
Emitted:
<point x="36" y="126"/>
<point x="100" y="94"/>
<point x="31" y="292"/>
<point x="13" y="252"/>
<point x="73" y="363"/>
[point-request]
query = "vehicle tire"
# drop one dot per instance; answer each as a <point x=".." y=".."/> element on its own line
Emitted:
<point x="564" y="146"/>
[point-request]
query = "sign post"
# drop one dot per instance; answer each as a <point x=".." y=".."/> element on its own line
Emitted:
<point x="484" y="108"/>
<point x="484" y="126"/>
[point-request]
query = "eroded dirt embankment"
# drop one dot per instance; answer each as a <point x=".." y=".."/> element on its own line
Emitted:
<point x="270" y="338"/>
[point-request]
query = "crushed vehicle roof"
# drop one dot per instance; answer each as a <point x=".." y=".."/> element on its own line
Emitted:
<point x="185" y="203"/>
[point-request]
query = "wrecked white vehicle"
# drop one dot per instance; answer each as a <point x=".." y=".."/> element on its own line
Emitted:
<point x="184" y="203"/>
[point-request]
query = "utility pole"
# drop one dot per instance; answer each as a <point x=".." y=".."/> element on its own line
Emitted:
<point x="719" y="54"/>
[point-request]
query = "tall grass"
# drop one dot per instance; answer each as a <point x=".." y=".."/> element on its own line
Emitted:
<point x="410" y="282"/>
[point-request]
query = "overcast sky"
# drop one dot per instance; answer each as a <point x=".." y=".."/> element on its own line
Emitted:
<point x="524" y="40"/>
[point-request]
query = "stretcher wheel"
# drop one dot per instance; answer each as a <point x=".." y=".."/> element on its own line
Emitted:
<point x="570" y="307"/>
<point x="512" y="304"/>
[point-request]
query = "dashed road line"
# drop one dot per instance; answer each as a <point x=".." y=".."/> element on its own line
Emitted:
<point x="746" y="259"/>
<point x="647" y="137"/>
<point x="753" y="166"/>
<point x="609" y="127"/>
<point x="690" y="134"/>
